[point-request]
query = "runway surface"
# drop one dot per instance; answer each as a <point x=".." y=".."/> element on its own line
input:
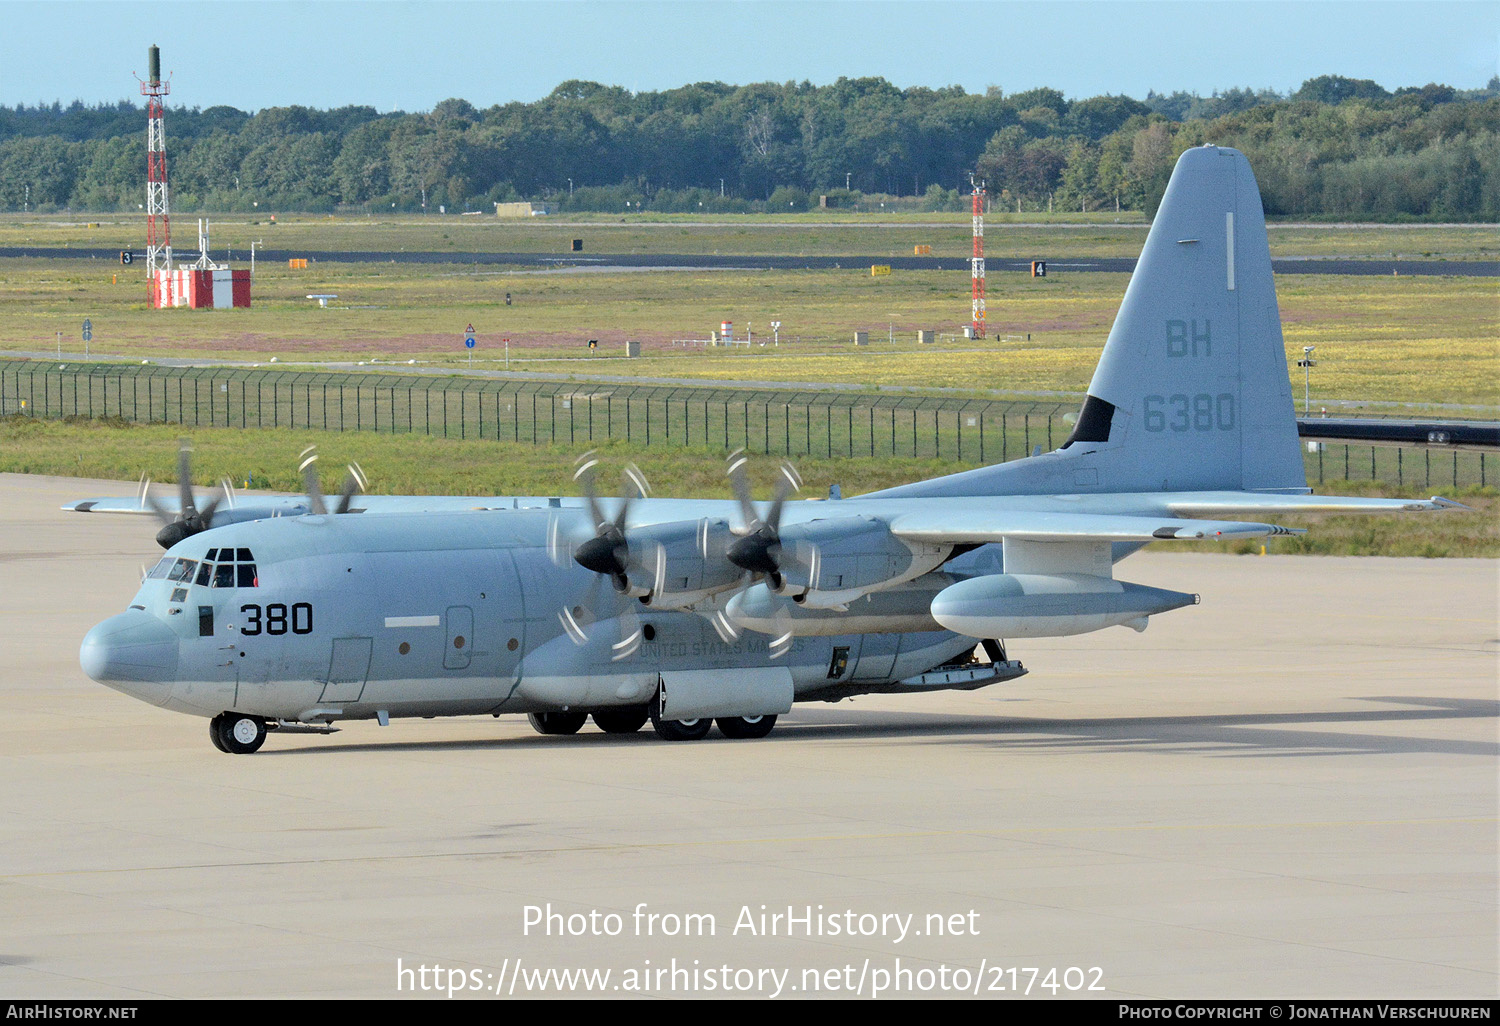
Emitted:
<point x="1288" y="791"/>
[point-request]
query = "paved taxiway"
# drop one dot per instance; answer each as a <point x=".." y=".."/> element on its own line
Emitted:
<point x="1289" y="790"/>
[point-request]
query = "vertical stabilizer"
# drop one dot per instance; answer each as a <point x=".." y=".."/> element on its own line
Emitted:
<point x="1191" y="392"/>
<point x="1195" y="368"/>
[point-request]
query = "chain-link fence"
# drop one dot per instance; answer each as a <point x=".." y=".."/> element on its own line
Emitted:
<point x="782" y="422"/>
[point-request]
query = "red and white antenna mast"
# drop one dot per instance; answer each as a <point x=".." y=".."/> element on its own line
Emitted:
<point x="158" y="235"/>
<point x="978" y="262"/>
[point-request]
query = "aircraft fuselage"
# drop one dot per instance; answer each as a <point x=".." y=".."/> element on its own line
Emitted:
<point x="443" y="614"/>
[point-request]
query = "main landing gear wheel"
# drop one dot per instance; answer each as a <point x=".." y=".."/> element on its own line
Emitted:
<point x="678" y="730"/>
<point x="557" y="722"/>
<point x="626" y="720"/>
<point x="742" y="728"/>
<point x="236" y="733"/>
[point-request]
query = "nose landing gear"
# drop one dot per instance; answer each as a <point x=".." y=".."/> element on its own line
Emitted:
<point x="236" y="733"/>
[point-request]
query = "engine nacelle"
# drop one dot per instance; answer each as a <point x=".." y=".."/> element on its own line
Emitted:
<point x="830" y="563"/>
<point x="677" y="564"/>
<point x="1048" y="605"/>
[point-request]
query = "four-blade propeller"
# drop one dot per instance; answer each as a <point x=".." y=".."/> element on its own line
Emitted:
<point x="354" y="482"/>
<point x="607" y="554"/>
<point x="189" y="519"/>
<point x="758" y="550"/>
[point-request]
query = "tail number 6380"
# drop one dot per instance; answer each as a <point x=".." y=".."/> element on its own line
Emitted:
<point x="276" y="618"/>
<point x="1201" y="412"/>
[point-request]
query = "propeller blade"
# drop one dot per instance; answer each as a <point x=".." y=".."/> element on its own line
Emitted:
<point x="781" y="642"/>
<point x="150" y="502"/>
<point x="787" y="482"/>
<point x="185" y="479"/>
<point x="309" y="471"/>
<point x="631" y="634"/>
<point x="659" y="571"/>
<point x="584" y="475"/>
<point x="578" y="618"/>
<point x="728" y="632"/>
<point x="355" y="482"/>
<point x="631" y="479"/>
<point x="737" y="480"/>
<point x="206" y="514"/>
<point x="810" y="556"/>
<point x="572" y="627"/>
<point x="557" y="549"/>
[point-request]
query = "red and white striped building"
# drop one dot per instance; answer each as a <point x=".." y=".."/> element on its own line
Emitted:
<point x="201" y="288"/>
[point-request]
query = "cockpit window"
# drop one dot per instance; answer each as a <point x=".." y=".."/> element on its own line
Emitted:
<point x="231" y="574"/>
<point x="219" y="569"/>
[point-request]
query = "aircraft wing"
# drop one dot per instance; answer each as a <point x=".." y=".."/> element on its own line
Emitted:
<point x="258" y="507"/>
<point x="1201" y="504"/>
<point x="252" y="507"/>
<point x="950" y="526"/>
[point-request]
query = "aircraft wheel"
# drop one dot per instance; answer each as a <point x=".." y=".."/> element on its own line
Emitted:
<point x="557" y="722"/>
<point x="681" y="730"/>
<point x="213" y="734"/>
<point x="625" y="720"/>
<point x="238" y="734"/>
<point x="746" y="727"/>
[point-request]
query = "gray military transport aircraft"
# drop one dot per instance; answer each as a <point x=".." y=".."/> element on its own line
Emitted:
<point x="276" y="614"/>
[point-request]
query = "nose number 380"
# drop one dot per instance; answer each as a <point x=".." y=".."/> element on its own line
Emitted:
<point x="276" y="618"/>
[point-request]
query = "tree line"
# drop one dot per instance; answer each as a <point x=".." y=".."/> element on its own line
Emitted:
<point x="1335" y="148"/>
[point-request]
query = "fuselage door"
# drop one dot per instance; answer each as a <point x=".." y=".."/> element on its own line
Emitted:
<point x="459" y="622"/>
<point x="347" y="670"/>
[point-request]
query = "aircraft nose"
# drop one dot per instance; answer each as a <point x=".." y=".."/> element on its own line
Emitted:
<point x="133" y="646"/>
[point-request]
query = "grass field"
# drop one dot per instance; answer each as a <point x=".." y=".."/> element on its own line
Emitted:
<point x="1387" y="340"/>
<point x="415" y="464"/>
<point x="1027" y="237"/>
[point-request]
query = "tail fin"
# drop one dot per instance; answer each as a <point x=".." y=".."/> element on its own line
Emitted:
<point x="1195" y="368"/>
<point x="1192" y="391"/>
